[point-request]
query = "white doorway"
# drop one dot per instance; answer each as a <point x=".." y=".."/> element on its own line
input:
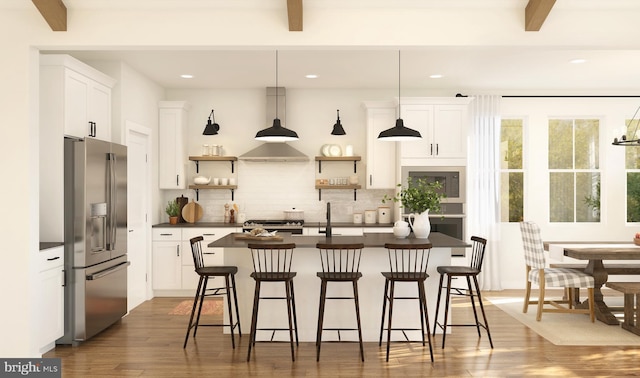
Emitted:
<point x="138" y="141"/>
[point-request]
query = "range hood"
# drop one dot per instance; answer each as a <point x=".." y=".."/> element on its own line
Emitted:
<point x="275" y="151"/>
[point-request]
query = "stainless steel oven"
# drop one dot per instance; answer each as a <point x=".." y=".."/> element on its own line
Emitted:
<point x="453" y="180"/>
<point x="292" y="226"/>
<point x="451" y="221"/>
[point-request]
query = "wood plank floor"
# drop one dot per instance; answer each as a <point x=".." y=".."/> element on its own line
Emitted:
<point x="148" y="342"/>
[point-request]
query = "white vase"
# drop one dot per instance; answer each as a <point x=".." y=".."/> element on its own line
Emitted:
<point x="420" y="224"/>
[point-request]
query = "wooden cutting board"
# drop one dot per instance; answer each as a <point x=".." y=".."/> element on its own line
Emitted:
<point x="192" y="212"/>
<point x="253" y="237"/>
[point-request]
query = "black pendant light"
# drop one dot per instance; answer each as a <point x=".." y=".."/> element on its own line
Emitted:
<point x="211" y="128"/>
<point x="276" y="133"/>
<point x="399" y="132"/>
<point x="337" y="127"/>
<point x="631" y="140"/>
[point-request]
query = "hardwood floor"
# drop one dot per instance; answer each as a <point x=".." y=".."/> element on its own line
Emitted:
<point x="148" y="342"/>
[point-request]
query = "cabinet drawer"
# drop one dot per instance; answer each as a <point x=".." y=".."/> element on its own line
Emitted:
<point x="167" y="234"/>
<point x="209" y="234"/>
<point x="51" y="258"/>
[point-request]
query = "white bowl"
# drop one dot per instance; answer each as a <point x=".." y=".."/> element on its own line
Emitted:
<point x="201" y="180"/>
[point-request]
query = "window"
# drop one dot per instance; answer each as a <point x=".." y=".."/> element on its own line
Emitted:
<point x="574" y="170"/>
<point x="632" y="165"/>
<point x="511" y="171"/>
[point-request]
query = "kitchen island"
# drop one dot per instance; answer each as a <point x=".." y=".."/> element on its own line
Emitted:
<point x="306" y="262"/>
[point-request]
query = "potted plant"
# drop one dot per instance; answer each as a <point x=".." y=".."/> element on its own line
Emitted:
<point x="419" y="197"/>
<point x="172" y="211"/>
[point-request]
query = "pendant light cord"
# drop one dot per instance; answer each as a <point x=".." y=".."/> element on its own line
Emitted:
<point x="399" y="108"/>
<point x="276" y="83"/>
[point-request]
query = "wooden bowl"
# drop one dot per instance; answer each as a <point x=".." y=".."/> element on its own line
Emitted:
<point x="636" y="241"/>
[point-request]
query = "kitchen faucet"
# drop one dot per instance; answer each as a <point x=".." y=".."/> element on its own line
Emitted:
<point x="327" y="229"/>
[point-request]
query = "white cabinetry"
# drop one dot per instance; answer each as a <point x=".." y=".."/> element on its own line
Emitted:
<point x="173" y="271"/>
<point x="167" y="260"/>
<point x="381" y="155"/>
<point x="76" y="96"/>
<point x="172" y="118"/>
<point x="212" y="256"/>
<point x="50" y="304"/>
<point x="443" y="123"/>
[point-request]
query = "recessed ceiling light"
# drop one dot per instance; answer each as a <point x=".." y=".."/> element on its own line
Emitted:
<point x="435" y="76"/>
<point x="186" y="76"/>
<point x="577" y="61"/>
<point x="311" y="76"/>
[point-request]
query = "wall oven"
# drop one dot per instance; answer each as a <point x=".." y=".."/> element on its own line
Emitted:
<point x="452" y="219"/>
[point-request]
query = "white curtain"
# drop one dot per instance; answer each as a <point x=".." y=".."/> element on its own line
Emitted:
<point x="483" y="183"/>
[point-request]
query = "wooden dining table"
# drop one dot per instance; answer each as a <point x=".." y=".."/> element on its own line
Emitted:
<point x="596" y="253"/>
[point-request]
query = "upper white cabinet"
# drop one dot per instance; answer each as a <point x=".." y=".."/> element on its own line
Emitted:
<point x="381" y="155"/>
<point x="443" y="123"/>
<point x="76" y="96"/>
<point x="172" y="139"/>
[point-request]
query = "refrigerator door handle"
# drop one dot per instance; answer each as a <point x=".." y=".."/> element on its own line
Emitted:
<point x="106" y="272"/>
<point x="111" y="195"/>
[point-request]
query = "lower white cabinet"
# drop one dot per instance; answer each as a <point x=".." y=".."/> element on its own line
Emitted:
<point x="50" y="304"/>
<point x="212" y="256"/>
<point x="166" y="259"/>
<point x="173" y="269"/>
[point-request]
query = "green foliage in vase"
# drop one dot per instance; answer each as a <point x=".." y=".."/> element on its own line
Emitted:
<point x="419" y="195"/>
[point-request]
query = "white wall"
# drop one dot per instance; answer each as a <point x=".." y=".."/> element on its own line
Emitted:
<point x="266" y="189"/>
<point x="612" y="113"/>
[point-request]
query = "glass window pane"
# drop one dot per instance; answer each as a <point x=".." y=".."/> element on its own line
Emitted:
<point x="633" y="196"/>
<point x="511" y="144"/>
<point x="560" y="144"/>
<point x="588" y="197"/>
<point x="561" y="203"/>
<point x="512" y="196"/>
<point x="587" y="143"/>
<point x="632" y="155"/>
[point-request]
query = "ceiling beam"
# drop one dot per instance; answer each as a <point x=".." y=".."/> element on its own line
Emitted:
<point x="294" y="10"/>
<point x="54" y="12"/>
<point x="536" y="13"/>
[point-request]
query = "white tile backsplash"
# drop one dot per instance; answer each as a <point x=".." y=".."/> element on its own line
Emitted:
<point x="266" y="189"/>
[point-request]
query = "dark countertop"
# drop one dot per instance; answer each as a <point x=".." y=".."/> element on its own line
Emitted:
<point x="309" y="224"/>
<point x="47" y="245"/>
<point x="371" y="240"/>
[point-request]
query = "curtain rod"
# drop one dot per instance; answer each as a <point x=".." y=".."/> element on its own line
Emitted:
<point x="561" y="96"/>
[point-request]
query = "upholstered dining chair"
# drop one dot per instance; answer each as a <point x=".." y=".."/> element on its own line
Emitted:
<point x="538" y="273"/>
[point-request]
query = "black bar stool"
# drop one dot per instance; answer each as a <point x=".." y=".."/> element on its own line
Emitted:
<point x="205" y="272"/>
<point x="272" y="263"/>
<point x="340" y="263"/>
<point x="408" y="263"/>
<point x="478" y="246"/>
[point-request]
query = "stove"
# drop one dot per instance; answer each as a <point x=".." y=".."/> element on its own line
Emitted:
<point x="292" y="226"/>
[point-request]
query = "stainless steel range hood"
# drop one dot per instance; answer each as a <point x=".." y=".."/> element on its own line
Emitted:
<point x="275" y="151"/>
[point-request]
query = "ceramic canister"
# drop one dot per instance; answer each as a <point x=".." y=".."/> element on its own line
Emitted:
<point x="357" y="218"/>
<point x="384" y="214"/>
<point x="369" y="216"/>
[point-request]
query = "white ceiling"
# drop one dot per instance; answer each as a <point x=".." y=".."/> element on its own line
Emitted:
<point x="464" y="69"/>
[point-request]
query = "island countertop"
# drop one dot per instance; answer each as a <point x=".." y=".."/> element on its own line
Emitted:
<point x="370" y="240"/>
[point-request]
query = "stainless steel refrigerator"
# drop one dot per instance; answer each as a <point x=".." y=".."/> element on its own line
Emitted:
<point x="95" y="228"/>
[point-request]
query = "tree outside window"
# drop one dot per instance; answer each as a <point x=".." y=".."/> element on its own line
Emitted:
<point x="574" y="170"/>
<point x="632" y="165"/>
<point x="511" y="171"/>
